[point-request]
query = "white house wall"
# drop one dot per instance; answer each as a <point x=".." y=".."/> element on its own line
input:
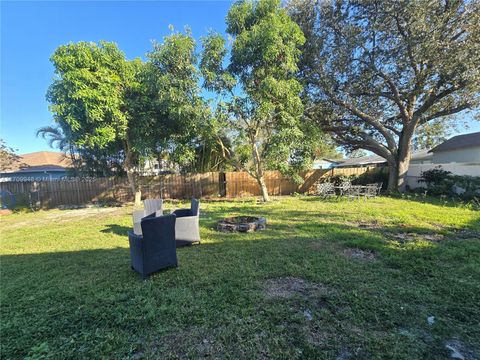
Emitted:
<point x="415" y="171"/>
<point x="466" y="155"/>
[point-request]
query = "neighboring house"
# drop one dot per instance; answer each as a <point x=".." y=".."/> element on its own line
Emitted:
<point x="326" y="163"/>
<point x="418" y="157"/>
<point x="152" y="167"/>
<point x="364" y="161"/>
<point x="41" y="165"/>
<point x="421" y="157"/>
<point x="458" y="149"/>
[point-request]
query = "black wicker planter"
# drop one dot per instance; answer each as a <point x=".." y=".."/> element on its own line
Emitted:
<point x="242" y="224"/>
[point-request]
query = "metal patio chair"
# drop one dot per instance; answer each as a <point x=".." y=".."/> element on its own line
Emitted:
<point x="344" y="188"/>
<point x="370" y="190"/>
<point x="325" y="190"/>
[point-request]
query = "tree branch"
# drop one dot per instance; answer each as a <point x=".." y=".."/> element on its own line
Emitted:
<point x="367" y="118"/>
<point x="445" y="112"/>
<point x="432" y="98"/>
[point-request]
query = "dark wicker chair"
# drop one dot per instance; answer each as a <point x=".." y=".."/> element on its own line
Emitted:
<point x="155" y="249"/>
<point x="187" y="228"/>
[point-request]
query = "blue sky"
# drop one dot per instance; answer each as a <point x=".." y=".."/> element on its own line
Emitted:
<point x="31" y="31"/>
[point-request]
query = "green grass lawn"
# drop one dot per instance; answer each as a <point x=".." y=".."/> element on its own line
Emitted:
<point x="328" y="279"/>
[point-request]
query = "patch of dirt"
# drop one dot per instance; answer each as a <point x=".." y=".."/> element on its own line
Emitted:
<point x="54" y="216"/>
<point x="369" y="225"/>
<point x="192" y="342"/>
<point x="288" y="287"/>
<point x="372" y="225"/>
<point x="355" y="253"/>
<point x="457" y="350"/>
<point x="412" y="236"/>
<point x="85" y="212"/>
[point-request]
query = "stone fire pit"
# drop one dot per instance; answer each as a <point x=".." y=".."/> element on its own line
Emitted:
<point x="242" y="224"/>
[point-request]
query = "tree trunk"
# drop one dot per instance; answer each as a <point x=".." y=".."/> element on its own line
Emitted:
<point x="131" y="174"/>
<point x="397" y="171"/>
<point x="392" y="176"/>
<point x="402" y="167"/>
<point x="263" y="188"/>
<point x="133" y="186"/>
<point x="259" y="172"/>
<point x="403" y="155"/>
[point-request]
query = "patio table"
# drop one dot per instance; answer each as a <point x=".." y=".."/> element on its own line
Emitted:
<point x="352" y="190"/>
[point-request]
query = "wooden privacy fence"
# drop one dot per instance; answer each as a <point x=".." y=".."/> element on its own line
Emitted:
<point x="80" y="191"/>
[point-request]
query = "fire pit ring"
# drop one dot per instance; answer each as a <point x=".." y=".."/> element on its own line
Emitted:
<point x="242" y="224"/>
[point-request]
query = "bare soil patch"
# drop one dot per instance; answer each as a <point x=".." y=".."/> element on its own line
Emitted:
<point x="188" y="343"/>
<point x="355" y="253"/>
<point x="405" y="237"/>
<point x="367" y="225"/>
<point x="60" y="216"/>
<point x="84" y="212"/>
<point x="288" y="287"/>
<point x="458" y="350"/>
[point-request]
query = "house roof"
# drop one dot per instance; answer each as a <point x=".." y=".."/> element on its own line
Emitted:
<point x="334" y="161"/>
<point x="459" y="142"/>
<point x="423" y="154"/>
<point x="42" y="161"/>
<point x="362" y="161"/>
<point x="375" y="159"/>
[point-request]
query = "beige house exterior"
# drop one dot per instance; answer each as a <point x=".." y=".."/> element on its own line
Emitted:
<point x="467" y="155"/>
<point x="459" y="149"/>
<point x="460" y="155"/>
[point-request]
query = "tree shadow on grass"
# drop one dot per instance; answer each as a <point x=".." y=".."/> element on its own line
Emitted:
<point x="116" y="229"/>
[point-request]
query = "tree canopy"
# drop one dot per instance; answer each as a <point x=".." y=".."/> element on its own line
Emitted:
<point x="112" y="111"/>
<point x="260" y="95"/>
<point x="377" y="70"/>
<point x="89" y="99"/>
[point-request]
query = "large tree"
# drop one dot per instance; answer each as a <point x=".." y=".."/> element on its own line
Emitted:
<point x="376" y="70"/>
<point x="118" y="112"/>
<point x="89" y="100"/>
<point x="172" y="111"/>
<point x="260" y="94"/>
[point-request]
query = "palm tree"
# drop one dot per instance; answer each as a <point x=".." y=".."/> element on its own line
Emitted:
<point x="54" y="136"/>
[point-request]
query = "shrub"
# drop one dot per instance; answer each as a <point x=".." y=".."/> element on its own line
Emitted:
<point x="378" y="175"/>
<point x="338" y="179"/>
<point x="434" y="176"/>
<point x="440" y="182"/>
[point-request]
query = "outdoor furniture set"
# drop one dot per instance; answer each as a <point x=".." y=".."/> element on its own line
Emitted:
<point x="155" y="236"/>
<point x="346" y="189"/>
